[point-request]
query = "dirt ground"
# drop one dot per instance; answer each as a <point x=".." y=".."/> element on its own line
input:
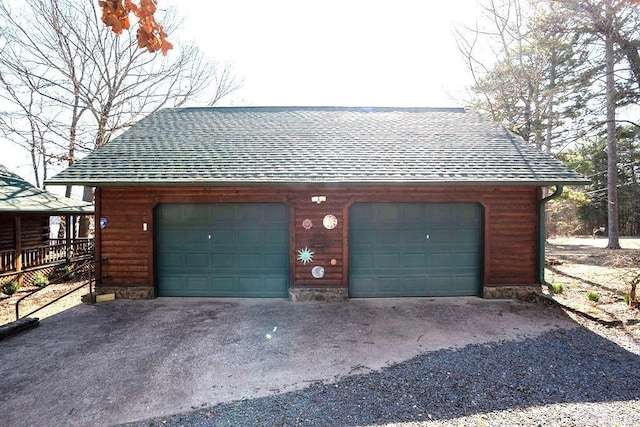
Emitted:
<point x="40" y="298"/>
<point x="585" y="265"/>
<point x="582" y="264"/>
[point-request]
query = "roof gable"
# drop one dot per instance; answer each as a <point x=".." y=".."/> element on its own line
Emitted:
<point x="322" y="145"/>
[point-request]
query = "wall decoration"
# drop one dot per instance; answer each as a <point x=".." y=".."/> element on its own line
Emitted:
<point x="334" y="261"/>
<point x="330" y="222"/>
<point x="307" y="224"/>
<point x="305" y="255"/>
<point x="104" y="222"/>
<point x="317" y="272"/>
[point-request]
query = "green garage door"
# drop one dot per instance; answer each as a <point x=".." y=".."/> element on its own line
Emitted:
<point x="222" y="249"/>
<point x="414" y="249"/>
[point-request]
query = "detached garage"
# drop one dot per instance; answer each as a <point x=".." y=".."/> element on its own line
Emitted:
<point x="318" y="203"/>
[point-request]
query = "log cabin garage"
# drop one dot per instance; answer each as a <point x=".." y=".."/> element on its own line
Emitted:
<point x="319" y="204"/>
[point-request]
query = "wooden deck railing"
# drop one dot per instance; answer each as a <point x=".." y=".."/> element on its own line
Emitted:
<point x="7" y="260"/>
<point x="57" y="251"/>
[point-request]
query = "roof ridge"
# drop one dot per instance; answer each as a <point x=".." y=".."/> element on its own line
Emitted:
<point x="360" y="109"/>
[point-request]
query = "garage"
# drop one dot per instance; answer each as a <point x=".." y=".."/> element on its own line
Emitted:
<point x="222" y="249"/>
<point x="415" y="249"/>
<point x="319" y="204"/>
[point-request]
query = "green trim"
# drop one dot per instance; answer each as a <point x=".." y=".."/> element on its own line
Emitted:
<point x="541" y="235"/>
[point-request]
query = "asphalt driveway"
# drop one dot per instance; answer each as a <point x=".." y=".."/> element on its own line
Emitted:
<point x="126" y="360"/>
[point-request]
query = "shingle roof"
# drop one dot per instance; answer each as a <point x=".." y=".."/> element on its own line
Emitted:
<point x="17" y="195"/>
<point x="301" y="145"/>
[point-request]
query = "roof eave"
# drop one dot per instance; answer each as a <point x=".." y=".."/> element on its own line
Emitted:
<point x="392" y="182"/>
<point x="65" y="211"/>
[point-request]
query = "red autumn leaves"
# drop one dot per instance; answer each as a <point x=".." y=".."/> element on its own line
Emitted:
<point x="150" y="35"/>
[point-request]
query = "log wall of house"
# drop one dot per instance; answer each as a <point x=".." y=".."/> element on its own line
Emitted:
<point x="510" y="231"/>
<point x="34" y="230"/>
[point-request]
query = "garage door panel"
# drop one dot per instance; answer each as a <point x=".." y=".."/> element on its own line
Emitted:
<point x="172" y="259"/>
<point x="441" y="214"/>
<point x="176" y="237"/>
<point x="276" y="237"/>
<point x="387" y="286"/>
<point x="197" y="284"/>
<point x="415" y="260"/>
<point x="413" y="236"/>
<point x="417" y="249"/>
<point x="223" y="236"/>
<point x="388" y="236"/>
<point x="223" y="285"/>
<point x="251" y="261"/>
<point x="224" y="261"/>
<point x="174" y="283"/>
<point x="442" y="259"/>
<point x="275" y="260"/>
<point x="414" y="285"/>
<point x="413" y="213"/>
<point x="250" y="236"/>
<point x="363" y="261"/>
<point x="224" y="249"/>
<point x="197" y="260"/>
<point x="466" y="259"/>
<point x="383" y="261"/>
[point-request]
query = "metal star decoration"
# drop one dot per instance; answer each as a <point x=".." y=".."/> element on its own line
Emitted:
<point x="305" y="255"/>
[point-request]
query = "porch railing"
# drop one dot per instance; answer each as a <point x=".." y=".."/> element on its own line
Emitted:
<point x="57" y="251"/>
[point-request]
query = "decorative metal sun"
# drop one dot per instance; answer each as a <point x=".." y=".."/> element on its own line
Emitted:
<point x="305" y="255"/>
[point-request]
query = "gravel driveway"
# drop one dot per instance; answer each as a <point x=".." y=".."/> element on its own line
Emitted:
<point x="563" y="377"/>
<point x="272" y="362"/>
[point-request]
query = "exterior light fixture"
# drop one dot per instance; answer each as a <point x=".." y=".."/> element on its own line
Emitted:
<point x="318" y="199"/>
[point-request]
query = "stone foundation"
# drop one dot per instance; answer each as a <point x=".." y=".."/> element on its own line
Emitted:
<point x="510" y="292"/>
<point x="318" y="294"/>
<point x="126" y="292"/>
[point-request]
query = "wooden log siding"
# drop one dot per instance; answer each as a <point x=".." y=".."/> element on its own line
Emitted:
<point x="509" y="235"/>
<point x="34" y="229"/>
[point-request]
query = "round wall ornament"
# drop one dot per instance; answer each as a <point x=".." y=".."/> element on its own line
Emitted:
<point x="307" y="224"/>
<point x="330" y="222"/>
<point x="317" y="272"/>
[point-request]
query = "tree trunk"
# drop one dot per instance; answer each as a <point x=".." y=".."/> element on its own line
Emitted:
<point x="612" y="156"/>
<point x="83" y="226"/>
<point x="550" y="100"/>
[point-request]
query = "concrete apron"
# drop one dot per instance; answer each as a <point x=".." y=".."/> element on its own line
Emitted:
<point x="129" y="360"/>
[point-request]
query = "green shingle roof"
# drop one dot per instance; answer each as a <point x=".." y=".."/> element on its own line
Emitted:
<point x="19" y="196"/>
<point x="302" y="145"/>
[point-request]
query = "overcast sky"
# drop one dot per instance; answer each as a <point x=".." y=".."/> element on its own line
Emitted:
<point x="335" y="52"/>
<point x="326" y="52"/>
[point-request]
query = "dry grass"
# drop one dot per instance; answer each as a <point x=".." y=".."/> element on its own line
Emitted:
<point x="586" y="265"/>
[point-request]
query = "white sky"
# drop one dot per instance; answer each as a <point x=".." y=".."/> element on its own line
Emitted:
<point x="326" y="52"/>
<point x="335" y="52"/>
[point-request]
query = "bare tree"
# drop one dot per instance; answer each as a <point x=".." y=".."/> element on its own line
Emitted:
<point x="514" y="61"/>
<point x="559" y="70"/>
<point x="88" y="83"/>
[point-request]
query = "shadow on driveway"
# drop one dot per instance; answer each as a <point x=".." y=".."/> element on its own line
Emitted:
<point x="558" y="367"/>
<point x="267" y="362"/>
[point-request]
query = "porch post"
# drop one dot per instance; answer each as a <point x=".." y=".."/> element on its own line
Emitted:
<point x="68" y="234"/>
<point x="17" y="236"/>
